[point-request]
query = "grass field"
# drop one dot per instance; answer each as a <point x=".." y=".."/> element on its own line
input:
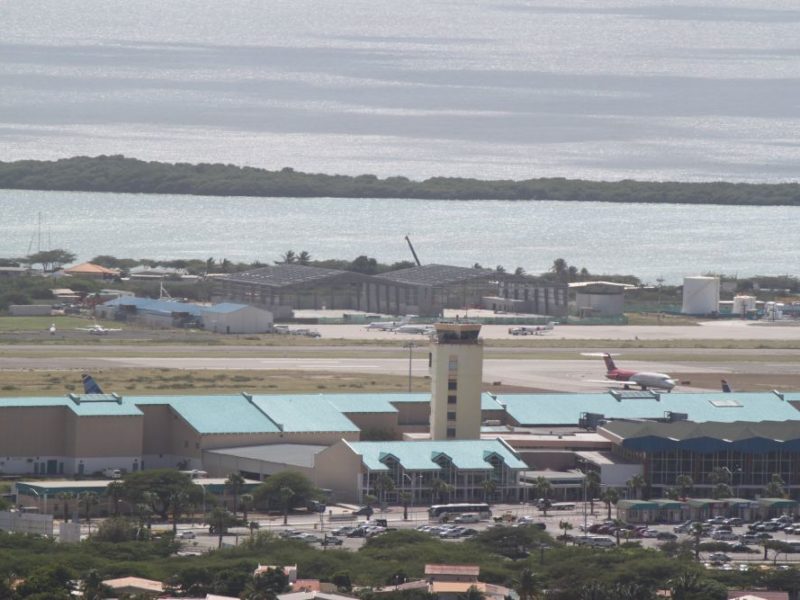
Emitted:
<point x="127" y="382"/>
<point x="24" y="324"/>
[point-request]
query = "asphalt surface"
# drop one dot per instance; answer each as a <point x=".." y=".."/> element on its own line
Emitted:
<point x="578" y="375"/>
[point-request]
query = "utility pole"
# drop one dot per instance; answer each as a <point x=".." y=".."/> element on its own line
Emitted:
<point x="410" y="346"/>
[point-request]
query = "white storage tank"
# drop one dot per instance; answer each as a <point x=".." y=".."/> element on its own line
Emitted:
<point x="700" y="295"/>
<point x="743" y="304"/>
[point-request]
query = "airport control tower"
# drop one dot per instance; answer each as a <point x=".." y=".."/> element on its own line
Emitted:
<point x="456" y="374"/>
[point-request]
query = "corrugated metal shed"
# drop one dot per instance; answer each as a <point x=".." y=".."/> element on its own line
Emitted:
<point x="433" y="275"/>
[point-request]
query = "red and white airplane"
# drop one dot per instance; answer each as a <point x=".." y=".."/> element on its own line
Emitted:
<point x="643" y="379"/>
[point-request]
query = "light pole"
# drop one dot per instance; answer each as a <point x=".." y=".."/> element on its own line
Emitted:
<point x="410" y="346"/>
<point x="411" y="481"/>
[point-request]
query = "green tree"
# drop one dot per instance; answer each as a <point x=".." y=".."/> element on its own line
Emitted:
<point x="246" y="502"/>
<point x="159" y="488"/>
<point x="266" y="586"/>
<point x="219" y="520"/>
<point x="288" y="258"/>
<point x="472" y="593"/>
<point x="93" y="588"/>
<point x="51" y="260"/>
<point x="526" y="585"/>
<point x="304" y="258"/>
<point x="286" y="490"/>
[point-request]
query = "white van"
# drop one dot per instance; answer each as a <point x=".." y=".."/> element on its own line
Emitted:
<point x="596" y="541"/>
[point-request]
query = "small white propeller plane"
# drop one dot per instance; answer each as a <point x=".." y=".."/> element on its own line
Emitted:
<point x="97" y="329"/>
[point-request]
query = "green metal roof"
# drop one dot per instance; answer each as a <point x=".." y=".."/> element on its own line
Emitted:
<point x="777" y="502"/>
<point x="637" y="505"/>
<point x="420" y="455"/>
<point x="566" y="409"/>
<point x="303" y="412"/>
<point x="210" y="415"/>
<point x="82" y="409"/>
<point x="373" y="403"/>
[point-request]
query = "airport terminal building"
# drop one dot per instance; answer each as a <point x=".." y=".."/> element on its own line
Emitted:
<point x="454" y="443"/>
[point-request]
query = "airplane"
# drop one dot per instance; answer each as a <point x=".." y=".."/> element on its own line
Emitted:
<point x="390" y="325"/>
<point x="415" y="328"/>
<point x="97" y="329"/>
<point x="52" y="329"/>
<point x="628" y="377"/>
<point x="90" y="385"/>
<point x="532" y="329"/>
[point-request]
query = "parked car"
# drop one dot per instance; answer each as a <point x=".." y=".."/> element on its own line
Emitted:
<point x="467" y="518"/>
<point x="666" y="536"/>
<point x="331" y="541"/>
<point x="342" y="531"/>
<point x="724" y="536"/>
<point x="734" y="522"/>
<point x="364" y="511"/>
<point x="187" y="535"/>
<point x="650" y="533"/>
<point x="718" y="557"/>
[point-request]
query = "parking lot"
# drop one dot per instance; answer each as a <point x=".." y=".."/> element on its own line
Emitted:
<point x="311" y="529"/>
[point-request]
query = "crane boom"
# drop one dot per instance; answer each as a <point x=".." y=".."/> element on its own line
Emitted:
<point x="416" y="258"/>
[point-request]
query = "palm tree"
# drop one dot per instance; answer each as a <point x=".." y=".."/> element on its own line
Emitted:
<point x="288" y="258"/>
<point x="219" y="520"/>
<point x="592" y="487"/>
<point x="87" y="501"/>
<point x="775" y="488"/>
<point x="566" y="526"/>
<point x="489" y="488"/>
<point x="636" y="484"/>
<point x="473" y="593"/>
<point x="543" y="488"/>
<point x="383" y="484"/>
<point x="303" y="258"/>
<point x="246" y="502"/>
<point x="721" y="491"/>
<point x="697" y="535"/>
<point x="235" y="484"/>
<point x="405" y="498"/>
<point x="286" y="495"/>
<point x="116" y="492"/>
<point x="65" y="497"/>
<point x="609" y="497"/>
<point x="684" y="484"/>
<point x="438" y="488"/>
<point x="93" y="588"/>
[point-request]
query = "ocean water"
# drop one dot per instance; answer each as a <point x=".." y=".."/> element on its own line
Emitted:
<point x="667" y="241"/>
<point x="599" y="89"/>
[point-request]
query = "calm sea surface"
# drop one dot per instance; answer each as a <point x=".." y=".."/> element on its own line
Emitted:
<point x="597" y="89"/>
<point x="667" y="241"/>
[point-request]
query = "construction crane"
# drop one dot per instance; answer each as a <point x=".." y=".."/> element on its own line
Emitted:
<point x="416" y="258"/>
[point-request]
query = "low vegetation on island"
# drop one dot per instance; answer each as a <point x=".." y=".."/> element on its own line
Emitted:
<point x="128" y="175"/>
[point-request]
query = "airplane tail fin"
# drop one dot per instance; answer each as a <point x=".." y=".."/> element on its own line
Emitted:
<point x="90" y="385"/>
<point x="609" y="362"/>
<point x="725" y="387"/>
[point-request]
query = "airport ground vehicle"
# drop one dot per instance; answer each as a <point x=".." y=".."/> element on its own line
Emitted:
<point x="438" y="511"/>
